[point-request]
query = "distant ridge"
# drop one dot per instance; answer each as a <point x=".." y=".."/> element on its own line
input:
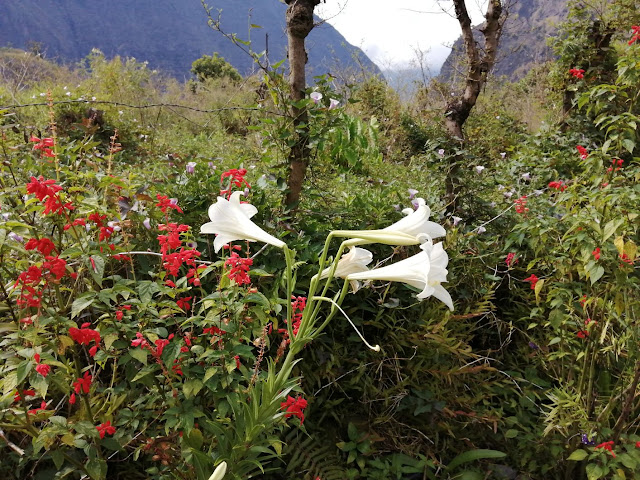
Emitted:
<point x="169" y="34"/>
<point x="524" y="40"/>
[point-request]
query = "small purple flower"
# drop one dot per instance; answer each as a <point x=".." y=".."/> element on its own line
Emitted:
<point x="537" y="193"/>
<point x="174" y="201"/>
<point x="481" y="230"/>
<point x="415" y="203"/>
<point x="192" y="245"/>
<point x="441" y="152"/>
<point x="333" y="103"/>
<point x="456" y="220"/>
<point x="14" y="236"/>
<point x="508" y="194"/>
<point x="503" y="154"/>
<point x="5" y="216"/>
<point x="191" y="167"/>
<point x="479" y="169"/>
<point x="397" y="207"/>
<point x="147" y="223"/>
<point x="246" y="192"/>
<point x="526" y="176"/>
<point x="534" y="346"/>
<point x="412" y="193"/>
<point x="585" y="440"/>
<point x="315" y="96"/>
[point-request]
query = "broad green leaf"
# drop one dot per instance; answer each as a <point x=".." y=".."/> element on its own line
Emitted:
<point x="473" y="455"/>
<point x="97" y="469"/>
<point x="191" y="387"/>
<point x="578" y="455"/>
<point x="596" y="274"/>
<point x="79" y="304"/>
<point x="139" y="354"/>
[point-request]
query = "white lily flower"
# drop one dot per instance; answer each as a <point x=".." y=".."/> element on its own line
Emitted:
<point x="353" y="262"/>
<point x="425" y="270"/>
<point x="230" y="220"/>
<point x="417" y="222"/>
<point x="218" y="473"/>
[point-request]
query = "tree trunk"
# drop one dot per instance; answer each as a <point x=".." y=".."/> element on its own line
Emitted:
<point x="299" y="18"/>
<point x="480" y="62"/>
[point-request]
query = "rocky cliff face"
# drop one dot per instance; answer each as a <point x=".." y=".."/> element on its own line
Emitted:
<point x="524" y="40"/>
<point x="169" y="34"/>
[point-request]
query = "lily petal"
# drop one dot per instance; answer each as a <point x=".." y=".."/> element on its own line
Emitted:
<point x="230" y="220"/>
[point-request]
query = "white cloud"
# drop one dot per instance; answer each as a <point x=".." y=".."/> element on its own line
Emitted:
<point x="390" y="31"/>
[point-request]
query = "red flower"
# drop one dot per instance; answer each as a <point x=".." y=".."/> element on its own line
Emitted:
<point x="83" y="385"/>
<point x="84" y="336"/>
<point x="93" y="350"/>
<point x="139" y="341"/>
<point x="106" y="429"/>
<point x="43" y="369"/>
<point x="56" y="267"/>
<point x="237" y="359"/>
<point x="43" y="406"/>
<point x="44" y="145"/>
<point x="558" y="185"/>
<point x="183" y="303"/>
<point x="165" y="202"/>
<point x="44" y="246"/>
<point x="607" y="446"/>
<point x="636" y="34"/>
<point x="577" y="72"/>
<point x="596" y="253"/>
<point x="119" y="314"/>
<point x="511" y="259"/>
<point x="533" y="279"/>
<point x="25" y="393"/>
<point x="237" y="179"/>
<point x="239" y="268"/>
<point x="583" y="152"/>
<point x="294" y="407"/>
<point x="521" y="204"/>
<point x="637" y="444"/>
<point x="582" y="334"/>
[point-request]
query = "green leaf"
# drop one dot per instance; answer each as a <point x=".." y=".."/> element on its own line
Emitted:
<point x="191" y="387"/>
<point x="98" y="272"/>
<point x="554" y="341"/>
<point x="23" y="370"/>
<point x="97" y="469"/>
<point x="596" y="274"/>
<point x="578" y="455"/>
<point x="146" y="289"/>
<point x="79" y="304"/>
<point x="595" y="471"/>
<point x="511" y="433"/>
<point x="139" y="354"/>
<point x="473" y="455"/>
<point x="629" y="145"/>
<point x="58" y="458"/>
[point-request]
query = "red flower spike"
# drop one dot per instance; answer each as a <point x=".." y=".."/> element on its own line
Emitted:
<point x="106" y="429"/>
<point x="294" y="407"/>
<point x="577" y="72"/>
<point x="607" y="446"/>
<point x="596" y="253"/>
<point x="533" y="279"/>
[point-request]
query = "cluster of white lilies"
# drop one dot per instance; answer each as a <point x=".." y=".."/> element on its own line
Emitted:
<point x="427" y="270"/>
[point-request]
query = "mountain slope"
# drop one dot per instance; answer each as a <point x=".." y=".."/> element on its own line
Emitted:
<point x="169" y="34"/>
<point x="524" y="39"/>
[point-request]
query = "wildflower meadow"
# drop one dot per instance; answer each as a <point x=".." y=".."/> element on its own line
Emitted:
<point x="165" y="314"/>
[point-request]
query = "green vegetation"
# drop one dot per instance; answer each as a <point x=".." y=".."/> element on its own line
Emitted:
<point x="131" y="348"/>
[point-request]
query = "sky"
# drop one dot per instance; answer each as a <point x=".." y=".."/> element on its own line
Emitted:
<point x="390" y="31"/>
